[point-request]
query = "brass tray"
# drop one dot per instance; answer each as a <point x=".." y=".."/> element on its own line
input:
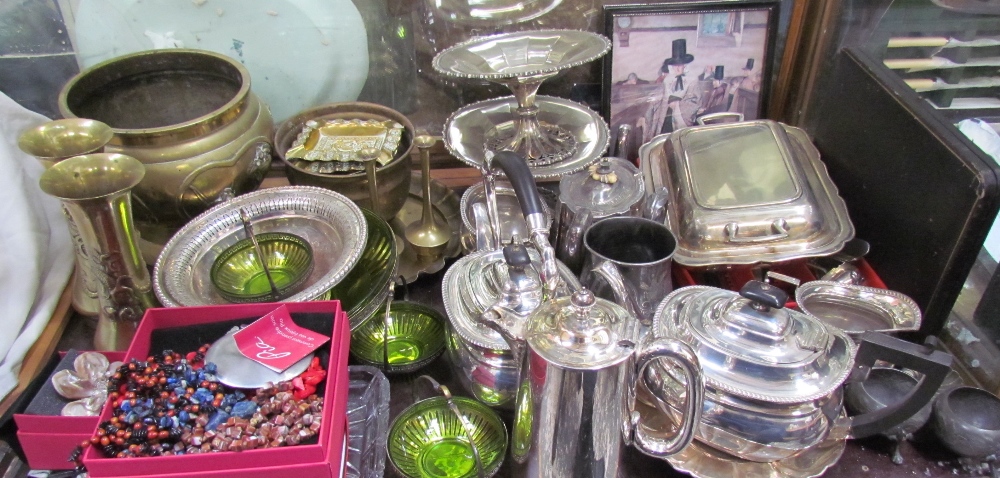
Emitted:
<point x="446" y="206"/>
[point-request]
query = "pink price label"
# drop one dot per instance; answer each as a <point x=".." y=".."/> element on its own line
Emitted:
<point x="275" y="342"/>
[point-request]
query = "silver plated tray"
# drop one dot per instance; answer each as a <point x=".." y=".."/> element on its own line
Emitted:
<point x="857" y="309"/>
<point x="467" y="129"/>
<point x="331" y="223"/>
<point x="445" y="205"/>
<point x="702" y="461"/>
<point x="367" y="422"/>
<point x="521" y="54"/>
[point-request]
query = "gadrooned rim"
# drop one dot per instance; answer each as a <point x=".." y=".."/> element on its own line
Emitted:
<point x="541" y="71"/>
<point x="548" y="171"/>
<point x="196" y="225"/>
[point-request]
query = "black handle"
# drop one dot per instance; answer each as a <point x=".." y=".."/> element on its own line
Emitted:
<point x="516" y="255"/>
<point x="934" y="364"/>
<point x="521" y="179"/>
<point x="764" y="293"/>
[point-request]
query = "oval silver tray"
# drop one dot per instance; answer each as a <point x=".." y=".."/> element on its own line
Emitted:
<point x="331" y="223"/>
<point x="466" y="130"/>
<point x="857" y="309"/>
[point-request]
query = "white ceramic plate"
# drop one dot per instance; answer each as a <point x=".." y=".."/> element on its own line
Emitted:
<point x="300" y="53"/>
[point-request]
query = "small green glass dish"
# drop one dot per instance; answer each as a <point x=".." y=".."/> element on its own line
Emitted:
<point x="416" y="337"/>
<point x="239" y="277"/>
<point x="429" y="440"/>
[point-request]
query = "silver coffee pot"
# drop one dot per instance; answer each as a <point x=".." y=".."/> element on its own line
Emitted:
<point x="581" y="359"/>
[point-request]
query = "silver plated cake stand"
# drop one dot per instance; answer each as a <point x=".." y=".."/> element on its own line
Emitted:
<point x="522" y="61"/>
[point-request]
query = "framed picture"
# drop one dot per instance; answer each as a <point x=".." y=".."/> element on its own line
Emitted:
<point x="674" y="63"/>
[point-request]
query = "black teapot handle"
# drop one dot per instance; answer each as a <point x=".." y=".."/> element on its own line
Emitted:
<point x="521" y="179"/>
<point x="933" y="364"/>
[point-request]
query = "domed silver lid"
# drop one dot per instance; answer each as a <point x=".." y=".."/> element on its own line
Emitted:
<point x="582" y="332"/>
<point x="752" y="347"/>
<point x="612" y="186"/>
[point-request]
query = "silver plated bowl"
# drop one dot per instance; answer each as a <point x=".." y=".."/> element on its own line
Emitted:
<point x="466" y="131"/>
<point x="857" y="309"/>
<point x="332" y="224"/>
<point x="521" y="54"/>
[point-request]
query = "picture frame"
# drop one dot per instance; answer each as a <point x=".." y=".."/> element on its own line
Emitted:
<point x="722" y="50"/>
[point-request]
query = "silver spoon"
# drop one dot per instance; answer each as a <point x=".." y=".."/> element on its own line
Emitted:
<point x="256" y="247"/>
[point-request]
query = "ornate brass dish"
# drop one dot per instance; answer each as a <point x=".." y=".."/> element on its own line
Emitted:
<point x="332" y="146"/>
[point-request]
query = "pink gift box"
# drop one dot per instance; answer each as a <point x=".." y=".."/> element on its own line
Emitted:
<point x="48" y="440"/>
<point x="323" y="459"/>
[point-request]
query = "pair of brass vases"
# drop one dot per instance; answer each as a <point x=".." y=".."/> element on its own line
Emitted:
<point x="112" y="282"/>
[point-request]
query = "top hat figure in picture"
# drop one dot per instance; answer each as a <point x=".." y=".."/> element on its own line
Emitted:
<point x="749" y="66"/>
<point x="681" y="102"/>
<point x="720" y="73"/>
<point x="715" y="100"/>
<point x="679" y="55"/>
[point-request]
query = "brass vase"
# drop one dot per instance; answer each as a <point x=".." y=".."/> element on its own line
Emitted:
<point x="55" y="141"/>
<point x="96" y="192"/>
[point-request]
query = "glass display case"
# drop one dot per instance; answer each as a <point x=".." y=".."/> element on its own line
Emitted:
<point x="902" y="97"/>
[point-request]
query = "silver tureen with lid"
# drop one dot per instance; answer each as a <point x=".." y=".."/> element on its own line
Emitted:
<point x="773" y="375"/>
<point x="745" y="193"/>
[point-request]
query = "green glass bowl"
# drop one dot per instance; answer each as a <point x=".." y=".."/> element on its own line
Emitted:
<point x="416" y="337"/>
<point x="428" y="440"/>
<point x="238" y="276"/>
<point x="366" y="286"/>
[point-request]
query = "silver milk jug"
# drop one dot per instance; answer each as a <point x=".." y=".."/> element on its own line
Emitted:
<point x="575" y="413"/>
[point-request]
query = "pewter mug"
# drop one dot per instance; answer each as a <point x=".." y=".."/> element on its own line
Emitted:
<point x="95" y="190"/>
<point x="628" y="260"/>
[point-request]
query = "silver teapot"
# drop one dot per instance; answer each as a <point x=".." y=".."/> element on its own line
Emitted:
<point x="511" y="282"/>
<point x="611" y="187"/>
<point x="581" y="358"/>
<point x="774" y="376"/>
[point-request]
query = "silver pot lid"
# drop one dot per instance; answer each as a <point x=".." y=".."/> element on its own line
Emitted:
<point x="582" y="332"/>
<point x="610" y="187"/>
<point x="752" y="347"/>
<point x="474" y="283"/>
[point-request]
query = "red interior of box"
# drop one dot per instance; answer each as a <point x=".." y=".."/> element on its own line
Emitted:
<point x="327" y="452"/>
<point x="734" y="277"/>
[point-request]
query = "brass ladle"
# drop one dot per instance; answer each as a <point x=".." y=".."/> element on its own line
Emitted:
<point x="256" y="247"/>
<point x="427" y="236"/>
